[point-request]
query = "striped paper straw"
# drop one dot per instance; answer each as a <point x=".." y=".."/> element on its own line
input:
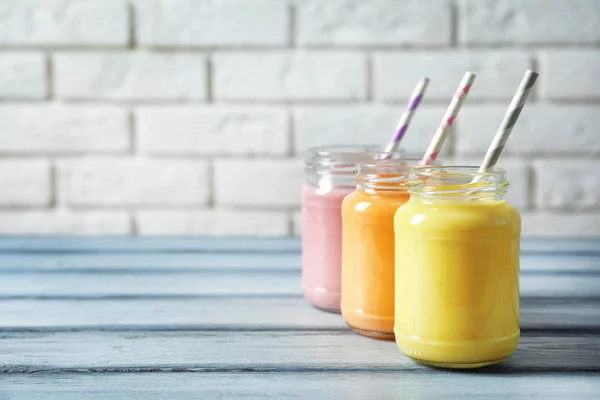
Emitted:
<point x="451" y="113"/>
<point x="404" y="121"/>
<point x="509" y="121"/>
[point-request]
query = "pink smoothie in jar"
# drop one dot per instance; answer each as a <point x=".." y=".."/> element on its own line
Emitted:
<point x="329" y="178"/>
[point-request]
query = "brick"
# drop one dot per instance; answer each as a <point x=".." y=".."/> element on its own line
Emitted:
<point x="541" y="129"/>
<point x="517" y="174"/>
<point x="89" y="23"/>
<point x="203" y="23"/>
<point x="546" y="224"/>
<point x="62" y="129"/>
<point x="212" y="130"/>
<point x="257" y="183"/>
<point x="374" y="22"/>
<point x="499" y="73"/>
<point x="529" y="22"/>
<point x="290" y="76"/>
<point x="22" y="76"/>
<point x="570" y="74"/>
<point x="334" y="125"/>
<point x="25" y="183"/>
<point x="296" y="223"/>
<point x="130" y="76"/>
<point x="63" y="222"/>
<point x="568" y="184"/>
<point x="133" y="182"/>
<point x="213" y="222"/>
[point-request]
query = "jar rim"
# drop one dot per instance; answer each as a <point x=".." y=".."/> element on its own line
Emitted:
<point x="385" y="175"/>
<point x="457" y="180"/>
<point x="336" y="154"/>
<point x="441" y="171"/>
<point x="403" y="162"/>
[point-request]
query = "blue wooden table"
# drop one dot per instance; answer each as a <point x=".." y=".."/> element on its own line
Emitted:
<point x="126" y="318"/>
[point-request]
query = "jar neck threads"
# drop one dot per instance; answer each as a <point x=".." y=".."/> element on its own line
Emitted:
<point x="386" y="175"/>
<point x="383" y="177"/>
<point x="335" y="166"/>
<point x="457" y="183"/>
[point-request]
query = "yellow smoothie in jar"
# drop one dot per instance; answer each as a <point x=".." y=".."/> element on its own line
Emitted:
<point x="457" y="282"/>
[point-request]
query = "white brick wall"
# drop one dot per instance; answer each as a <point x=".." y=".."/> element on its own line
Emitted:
<point x="258" y="183"/>
<point x="64" y="222"/>
<point x="130" y="76"/>
<point x="113" y="182"/>
<point x="62" y="129"/>
<point x="23" y="76"/>
<point x="571" y="74"/>
<point x="182" y="117"/>
<point x="568" y="184"/>
<point x="315" y="75"/>
<point x="374" y="22"/>
<point x="63" y="23"/>
<point x="529" y="21"/>
<point x="25" y="183"/>
<point x="212" y="130"/>
<point x="193" y="23"/>
<point x="213" y="222"/>
<point x="552" y="224"/>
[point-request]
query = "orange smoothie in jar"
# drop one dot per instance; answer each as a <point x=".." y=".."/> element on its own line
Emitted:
<point x="457" y="282"/>
<point x="330" y="176"/>
<point x="368" y="247"/>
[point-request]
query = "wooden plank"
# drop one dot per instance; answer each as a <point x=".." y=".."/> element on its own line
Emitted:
<point x="568" y="264"/>
<point x="577" y="246"/>
<point x="238" y="261"/>
<point x="560" y="314"/>
<point x="261" y="351"/>
<point x="57" y="244"/>
<point x="94" y="285"/>
<point x="246" y="313"/>
<point x="434" y="384"/>
<point x="128" y="283"/>
<point x="200" y="313"/>
<point x="146" y="261"/>
<point x="203" y="244"/>
<point x="560" y="285"/>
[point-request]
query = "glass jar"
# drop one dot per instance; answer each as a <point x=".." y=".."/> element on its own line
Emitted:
<point x="457" y="279"/>
<point x="368" y="246"/>
<point x="330" y="176"/>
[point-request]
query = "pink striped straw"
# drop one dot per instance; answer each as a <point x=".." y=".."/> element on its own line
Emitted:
<point x="404" y="121"/>
<point x="451" y="113"/>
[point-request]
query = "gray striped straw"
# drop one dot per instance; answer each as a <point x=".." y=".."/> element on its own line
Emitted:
<point x="509" y="121"/>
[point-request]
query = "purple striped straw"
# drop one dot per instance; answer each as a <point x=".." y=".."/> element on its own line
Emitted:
<point x="402" y="126"/>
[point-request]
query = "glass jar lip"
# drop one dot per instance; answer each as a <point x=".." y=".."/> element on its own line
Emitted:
<point x="385" y="175"/>
<point x="440" y="171"/>
<point x="457" y="180"/>
<point x="349" y="153"/>
<point x="403" y="162"/>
